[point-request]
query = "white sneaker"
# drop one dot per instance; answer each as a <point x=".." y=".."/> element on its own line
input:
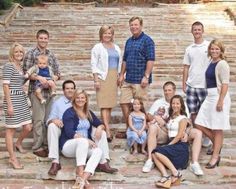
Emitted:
<point x="196" y="169"/>
<point x="148" y="166"/>
<point x="206" y="142"/>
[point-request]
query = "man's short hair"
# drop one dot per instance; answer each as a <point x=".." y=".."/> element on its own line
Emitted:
<point x="169" y="83"/>
<point x="197" y="23"/>
<point x="136" y="18"/>
<point x="66" y="82"/>
<point x="42" y="31"/>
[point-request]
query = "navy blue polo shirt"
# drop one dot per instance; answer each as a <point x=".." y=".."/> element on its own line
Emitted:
<point x="137" y="52"/>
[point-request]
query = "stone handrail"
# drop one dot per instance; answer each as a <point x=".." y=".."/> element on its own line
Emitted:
<point x="10" y="16"/>
<point x="231" y="14"/>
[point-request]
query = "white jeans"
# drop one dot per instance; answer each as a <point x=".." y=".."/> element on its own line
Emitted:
<point x="103" y="145"/>
<point x="54" y="134"/>
<point x="79" y="148"/>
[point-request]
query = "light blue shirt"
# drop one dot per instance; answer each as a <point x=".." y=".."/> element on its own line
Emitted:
<point x="113" y="58"/>
<point x="83" y="127"/>
<point x="59" y="106"/>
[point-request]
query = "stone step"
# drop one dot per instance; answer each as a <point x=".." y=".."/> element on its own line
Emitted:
<point x="129" y="168"/>
<point x="117" y="130"/>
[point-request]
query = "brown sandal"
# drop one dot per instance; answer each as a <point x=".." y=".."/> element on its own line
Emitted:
<point x="164" y="182"/>
<point x="176" y="179"/>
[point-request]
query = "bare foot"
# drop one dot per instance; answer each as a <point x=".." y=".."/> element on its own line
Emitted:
<point x="144" y="152"/>
<point x="135" y="152"/>
<point x="20" y="149"/>
<point x="15" y="164"/>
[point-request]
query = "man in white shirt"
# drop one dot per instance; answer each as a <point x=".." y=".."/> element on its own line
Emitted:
<point x="195" y="64"/>
<point x="157" y="131"/>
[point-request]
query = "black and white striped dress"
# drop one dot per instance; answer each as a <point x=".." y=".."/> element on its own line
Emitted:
<point x="15" y="80"/>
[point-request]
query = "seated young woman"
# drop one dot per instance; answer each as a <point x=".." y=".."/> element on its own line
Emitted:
<point x="175" y="154"/>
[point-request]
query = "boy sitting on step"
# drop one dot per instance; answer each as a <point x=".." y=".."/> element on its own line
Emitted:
<point x="44" y="70"/>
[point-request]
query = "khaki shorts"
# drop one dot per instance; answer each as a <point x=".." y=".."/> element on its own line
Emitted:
<point x="162" y="134"/>
<point x="130" y="91"/>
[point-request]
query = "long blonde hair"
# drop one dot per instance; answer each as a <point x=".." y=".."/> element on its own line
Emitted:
<point x="12" y="49"/>
<point x="86" y="106"/>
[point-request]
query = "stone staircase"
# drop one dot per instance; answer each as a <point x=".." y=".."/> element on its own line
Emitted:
<point x="73" y="32"/>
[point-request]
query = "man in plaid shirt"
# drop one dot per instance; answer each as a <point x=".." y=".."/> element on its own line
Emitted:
<point x="40" y="110"/>
<point x="138" y="60"/>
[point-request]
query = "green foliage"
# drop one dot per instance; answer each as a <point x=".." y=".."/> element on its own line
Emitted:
<point x="5" y="4"/>
<point x="27" y="2"/>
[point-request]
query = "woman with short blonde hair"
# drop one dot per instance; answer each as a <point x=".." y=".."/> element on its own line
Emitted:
<point x="106" y="64"/>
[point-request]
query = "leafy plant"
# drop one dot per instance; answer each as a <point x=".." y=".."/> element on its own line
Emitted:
<point x="27" y="2"/>
<point x="5" y="4"/>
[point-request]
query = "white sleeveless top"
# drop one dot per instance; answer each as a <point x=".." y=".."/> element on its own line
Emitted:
<point x="173" y="125"/>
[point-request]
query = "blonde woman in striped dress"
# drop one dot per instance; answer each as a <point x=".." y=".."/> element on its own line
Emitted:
<point x="17" y="112"/>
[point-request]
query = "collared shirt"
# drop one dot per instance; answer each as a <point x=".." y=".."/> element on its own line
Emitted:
<point x="59" y="106"/>
<point x="31" y="60"/>
<point x="138" y="51"/>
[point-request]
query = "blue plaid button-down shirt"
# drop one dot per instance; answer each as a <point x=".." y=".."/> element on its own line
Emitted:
<point x="137" y="52"/>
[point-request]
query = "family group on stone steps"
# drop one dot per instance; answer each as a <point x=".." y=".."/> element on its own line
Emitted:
<point x="67" y="125"/>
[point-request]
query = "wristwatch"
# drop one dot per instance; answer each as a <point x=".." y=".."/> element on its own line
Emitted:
<point x="147" y="76"/>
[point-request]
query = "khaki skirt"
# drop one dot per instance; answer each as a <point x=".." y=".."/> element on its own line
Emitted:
<point x="107" y="94"/>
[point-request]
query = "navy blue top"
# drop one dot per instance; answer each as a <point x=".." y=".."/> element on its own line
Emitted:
<point x="44" y="72"/>
<point x="71" y="121"/>
<point x="211" y="76"/>
<point x="137" y="52"/>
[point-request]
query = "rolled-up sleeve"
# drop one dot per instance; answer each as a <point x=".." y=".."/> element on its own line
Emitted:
<point x="53" y="113"/>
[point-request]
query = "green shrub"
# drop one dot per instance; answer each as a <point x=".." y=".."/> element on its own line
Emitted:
<point x="5" y="4"/>
<point x="27" y="2"/>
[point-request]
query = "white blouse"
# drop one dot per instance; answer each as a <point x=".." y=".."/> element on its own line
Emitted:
<point x="173" y="125"/>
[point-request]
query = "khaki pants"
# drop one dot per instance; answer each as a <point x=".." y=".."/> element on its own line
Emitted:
<point x="40" y="114"/>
